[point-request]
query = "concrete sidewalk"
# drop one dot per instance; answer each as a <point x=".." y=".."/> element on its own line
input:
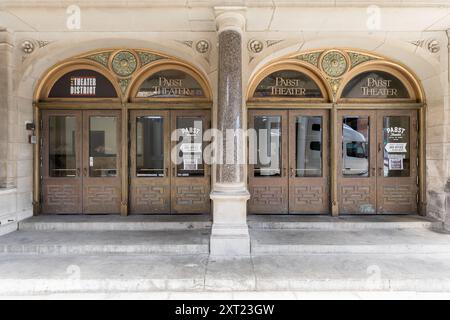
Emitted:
<point x="291" y="258"/>
<point x="112" y="274"/>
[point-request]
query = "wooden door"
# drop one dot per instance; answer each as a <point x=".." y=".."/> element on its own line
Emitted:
<point x="101" y="162"/>
<point x="190" y="182"/>
<point x="149" y="161"/>
<point x="357" y="154"/>
<point x="308" y="162"/>
<point x="268" y="161"/>
<point x="61" y="165"/>
<point x="397" y="185"/>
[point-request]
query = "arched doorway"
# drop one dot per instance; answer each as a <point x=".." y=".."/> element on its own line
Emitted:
<point x="345" y="136"/>
<point x="106" y="121"/>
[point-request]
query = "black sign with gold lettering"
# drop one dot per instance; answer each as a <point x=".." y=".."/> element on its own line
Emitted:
<point x="375" y="85"/>
<point x="170" y="84"/>
<point x="82" y="83"/>
<point x="287" y="84"/>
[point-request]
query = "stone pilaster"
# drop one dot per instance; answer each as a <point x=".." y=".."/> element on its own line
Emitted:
<point x="229" y="235"/>
<point x="7" y="164"/>
<point x="447" y="152"/>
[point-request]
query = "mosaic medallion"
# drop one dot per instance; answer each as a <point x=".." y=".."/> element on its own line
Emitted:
<point x="334" y="64"/>
<point x="124" y="63"/>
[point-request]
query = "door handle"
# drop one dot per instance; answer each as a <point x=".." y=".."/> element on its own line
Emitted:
<point x="85" y="172"/>
<point x="173" y="171"/>
<point x="373" y="172"/>
<point x="166" y="170"/>
<point x="78" y="172"/>
<point x="380" y="171"/>
<point x="292" y="172"/>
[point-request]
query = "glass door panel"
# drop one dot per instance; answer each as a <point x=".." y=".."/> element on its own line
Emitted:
<point x="190" y="182"/>
<point x="149" y="159"/>
<point x="102" y="192"/>
<point x="308" y="151"/>
<point x="61" y="162"/>
<point x="397" y="188"/>
<point x="268" y="179"/>
<point x="356" y="162"/>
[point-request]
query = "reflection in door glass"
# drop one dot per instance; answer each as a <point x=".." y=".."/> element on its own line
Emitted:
<point x="149" y="146"/>
<point x="308" y="134"/>
<point x="355" y="146"/>
<point x="396" y="146"/>
<point x="102" y="146"/>
<point x="268" y="131"/>
<point x="191" y="149"/>
<point x="62" y="154"/>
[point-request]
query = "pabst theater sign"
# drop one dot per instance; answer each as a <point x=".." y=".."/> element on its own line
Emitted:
<point x="170" y="84"/>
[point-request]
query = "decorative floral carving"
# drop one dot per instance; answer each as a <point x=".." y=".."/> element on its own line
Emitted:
<point x="334" y="64"/>
<point x="311" y="58"/>
<point x="27" y="46"/>
<point x="255" y="46"/>
<point x="123" y="83"/>
<point x="124" y="63"/>
<point x="334" y="84"/>
<point x="146" y="57"/>
<point x="357" y="58"/>
<point x="202" y="46"/>
<point x="101" y="58"/>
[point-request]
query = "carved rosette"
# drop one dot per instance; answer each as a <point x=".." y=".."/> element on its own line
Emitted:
<point x="124" y="63"/>
<point x="334" y="64"/>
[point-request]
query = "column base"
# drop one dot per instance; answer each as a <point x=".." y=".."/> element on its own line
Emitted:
<point x="229" y="234"/>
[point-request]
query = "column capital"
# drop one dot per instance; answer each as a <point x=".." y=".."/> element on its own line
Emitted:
<point x="230" y="18"/>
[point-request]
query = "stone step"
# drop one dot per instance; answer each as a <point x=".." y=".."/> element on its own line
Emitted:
<point x="167" y="242"/>
<point x="375" y="241"/>
<point x="116" y="223"/>
<point x="320" y="222"/>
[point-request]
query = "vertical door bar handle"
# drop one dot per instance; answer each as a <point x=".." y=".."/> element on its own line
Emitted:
<point x="292" y="172"/>
<point x="380" y="171"/>
<point x="173" y="171"/>
<point x="373" y="171"/>
<point x="78" y="172"/>
<point x="166" y="172"/>
<point x="85" y="172"/>
<point x="379" y="147"/>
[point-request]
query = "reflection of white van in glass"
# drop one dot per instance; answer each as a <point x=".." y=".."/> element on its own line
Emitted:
<point x="355" y="152"/>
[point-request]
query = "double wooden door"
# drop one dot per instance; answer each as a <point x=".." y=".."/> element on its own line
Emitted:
<point x="377" y="161"/>
<point x="80" y="162"/>
<point x="167" y="171"/>
<point x="288" y="161"/>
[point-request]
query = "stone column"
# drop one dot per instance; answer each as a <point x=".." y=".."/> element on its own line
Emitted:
<point x="7" y="165"/>
<point x="230" y="235"/>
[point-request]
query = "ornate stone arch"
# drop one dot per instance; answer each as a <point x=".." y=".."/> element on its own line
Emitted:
<point x="124" y="68"/>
